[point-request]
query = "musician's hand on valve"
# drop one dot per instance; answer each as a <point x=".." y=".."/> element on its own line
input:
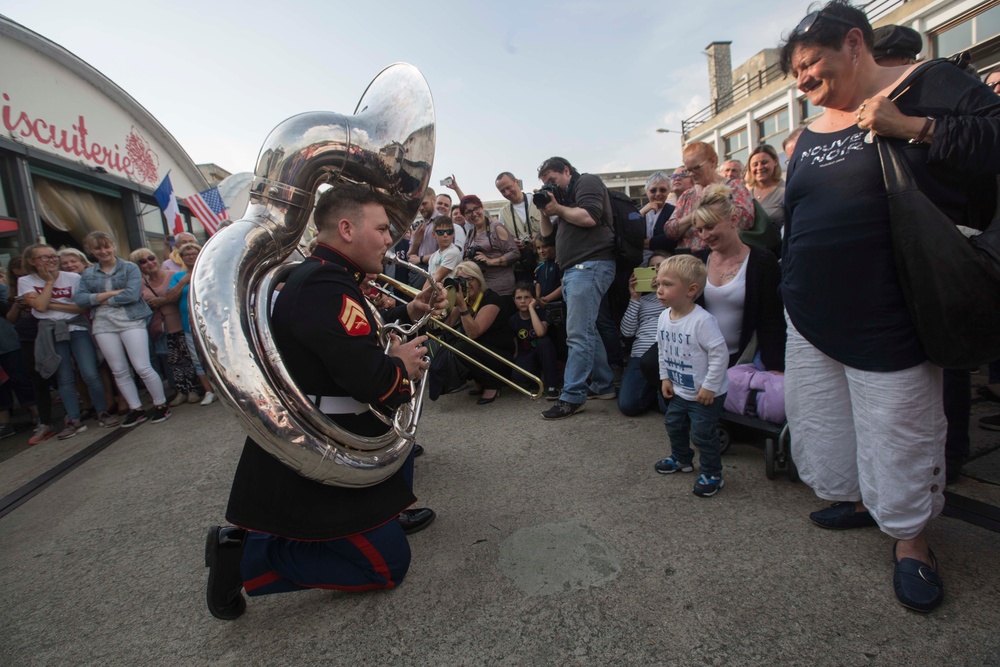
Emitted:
<point x="412" y="354"/>
<point x="421" y="303"/>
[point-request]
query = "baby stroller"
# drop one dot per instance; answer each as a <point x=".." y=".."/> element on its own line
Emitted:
<point x="756" y="402"/>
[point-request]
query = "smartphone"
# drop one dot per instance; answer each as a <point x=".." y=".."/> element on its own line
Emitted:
<point x="644" y="276"/>
<point x="447" y="182"/>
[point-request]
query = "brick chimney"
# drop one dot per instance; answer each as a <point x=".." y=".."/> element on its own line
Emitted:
<point x="720" y="75"/>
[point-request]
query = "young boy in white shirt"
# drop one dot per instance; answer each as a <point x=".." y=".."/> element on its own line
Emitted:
<point x="443" y="261"/>
<point x="693" y="360"/>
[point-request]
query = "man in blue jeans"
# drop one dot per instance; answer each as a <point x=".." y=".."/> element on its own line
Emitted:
<point x="585" y="247"/>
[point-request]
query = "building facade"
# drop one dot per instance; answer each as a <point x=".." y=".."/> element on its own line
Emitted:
<point x="78" y="154"/>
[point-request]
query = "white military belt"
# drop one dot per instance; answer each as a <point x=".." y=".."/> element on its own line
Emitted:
<point x="338" y="405"/>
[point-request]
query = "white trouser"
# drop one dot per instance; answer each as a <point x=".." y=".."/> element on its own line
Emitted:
<point x="865" y="435"/>
<point x="136" y="343"/>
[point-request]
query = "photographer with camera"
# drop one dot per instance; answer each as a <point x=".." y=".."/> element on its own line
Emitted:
<point x="491" y="246"/>
<point x="523" y="218"/>
<point x="585" y="249"/>
<point x="484" y="316"/>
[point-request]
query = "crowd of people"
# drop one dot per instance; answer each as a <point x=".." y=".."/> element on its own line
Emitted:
<point x="88" y="328"/>
<point x="876" y="428"/>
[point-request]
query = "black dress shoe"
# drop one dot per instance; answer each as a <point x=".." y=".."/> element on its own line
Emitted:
<point x="223" y="553"/>
<point x="415" y="520"/>
<point x="417" y="450"/>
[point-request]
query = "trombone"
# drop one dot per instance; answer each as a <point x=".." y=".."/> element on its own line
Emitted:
<point x="411" y="292"/>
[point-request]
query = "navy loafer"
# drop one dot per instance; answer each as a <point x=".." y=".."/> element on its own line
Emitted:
<point x="918" y="585"/>
<point x="841" y="516"/>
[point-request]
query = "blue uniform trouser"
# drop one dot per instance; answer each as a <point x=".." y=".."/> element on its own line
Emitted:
<point x="376" y="558"/>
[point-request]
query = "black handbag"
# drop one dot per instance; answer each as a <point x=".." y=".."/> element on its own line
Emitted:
<point x="951" y="284"/>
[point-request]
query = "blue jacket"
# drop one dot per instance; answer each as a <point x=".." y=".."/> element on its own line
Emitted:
<point x="126" y="276"/>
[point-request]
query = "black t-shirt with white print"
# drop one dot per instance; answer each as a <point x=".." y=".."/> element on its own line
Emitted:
<point x="839" y="281"/>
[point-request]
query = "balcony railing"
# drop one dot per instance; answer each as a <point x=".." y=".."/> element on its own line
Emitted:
<point x="744" y="88"/>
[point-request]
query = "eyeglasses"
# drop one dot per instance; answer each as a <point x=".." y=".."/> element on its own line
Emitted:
<point x="806" y="24"/>
<point x="677" y="177"/>
<point x="653" y="191"/>
<point x="47" y="258"/>
<point x="444" y="232"/>
<point x="690" y="170"/>
<point x="472" y="210"/>
<point x="142" y="261"/>
<point x="995" y="85"/>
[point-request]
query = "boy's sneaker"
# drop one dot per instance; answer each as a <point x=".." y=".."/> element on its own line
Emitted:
<point x="606" y="396"/>
<point x="73" y="426"/>
<point x="42" y="433"/>
<point x="552" y="394"/>
<point x="6" y="431"/>
<point x="107" y="421"/>
<point x="671" y="465"/>
<point x="134" y="418"/>
<point x="209" y="398"/>
<point x="707" y="486"/>
<point x="561" y="410"/>
<point x="161" y="413"/>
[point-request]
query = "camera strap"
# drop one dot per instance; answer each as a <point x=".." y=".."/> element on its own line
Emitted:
<point x="527" y="219"/>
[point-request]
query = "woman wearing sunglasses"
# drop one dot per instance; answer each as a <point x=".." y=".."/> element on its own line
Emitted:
<point x="165" y="331"/>
<point x="864" y="404"/>
<point x="657" y="211"/>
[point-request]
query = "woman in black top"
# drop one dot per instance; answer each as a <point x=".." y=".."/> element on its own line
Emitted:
<point x="863" y="403"/>
<point x="483" y="315"/>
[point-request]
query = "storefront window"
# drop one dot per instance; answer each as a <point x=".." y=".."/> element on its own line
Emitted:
<point x="70" y="211"/>
<point x="152" y="219"/>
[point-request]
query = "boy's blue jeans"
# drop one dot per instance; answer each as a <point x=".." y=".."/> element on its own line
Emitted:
<point x="690" y="421"/>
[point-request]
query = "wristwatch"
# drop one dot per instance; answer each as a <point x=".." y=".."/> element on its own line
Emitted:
<point x="463" y="313"/>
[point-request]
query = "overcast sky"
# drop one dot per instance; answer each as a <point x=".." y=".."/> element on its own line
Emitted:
<point x="513" y="82"/>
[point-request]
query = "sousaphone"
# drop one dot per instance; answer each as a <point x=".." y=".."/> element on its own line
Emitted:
<point x="388" y="145"/>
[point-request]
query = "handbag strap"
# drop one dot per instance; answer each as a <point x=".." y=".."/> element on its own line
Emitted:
<point x="895" y="171"/>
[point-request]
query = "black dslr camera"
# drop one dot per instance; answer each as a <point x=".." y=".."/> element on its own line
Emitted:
<point x="458" y="282"/>
<point x="540" y="199"/>
<point x="473" y="251"/>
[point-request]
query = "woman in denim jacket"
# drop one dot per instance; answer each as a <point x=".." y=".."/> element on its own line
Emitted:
<point x="112" y="288"/>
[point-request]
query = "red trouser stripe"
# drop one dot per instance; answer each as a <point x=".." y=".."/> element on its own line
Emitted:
<point x="261" y="581"/>
<point x="373" y="556"/>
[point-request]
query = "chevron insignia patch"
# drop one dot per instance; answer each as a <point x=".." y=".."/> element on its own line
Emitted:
<point x="353" y="317"/>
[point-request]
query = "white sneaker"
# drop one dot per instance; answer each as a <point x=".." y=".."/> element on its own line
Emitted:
<point x="209" y="398"/>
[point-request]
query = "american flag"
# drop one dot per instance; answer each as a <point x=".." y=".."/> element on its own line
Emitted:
<point x="209" y="208"/>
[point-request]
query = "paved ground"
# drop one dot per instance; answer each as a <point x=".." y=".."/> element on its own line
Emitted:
<point x="556" y="543"/>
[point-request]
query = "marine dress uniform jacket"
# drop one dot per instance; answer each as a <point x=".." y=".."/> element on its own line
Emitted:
<point x="327" y="337"/>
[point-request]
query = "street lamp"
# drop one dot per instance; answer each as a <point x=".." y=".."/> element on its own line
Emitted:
<point x="664" y="130"/>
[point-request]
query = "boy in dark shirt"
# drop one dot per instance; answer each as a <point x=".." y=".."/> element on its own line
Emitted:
<point x="534" y="347"/>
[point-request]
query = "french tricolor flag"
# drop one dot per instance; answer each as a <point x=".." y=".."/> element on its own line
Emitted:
<point x="168" y="204"/>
